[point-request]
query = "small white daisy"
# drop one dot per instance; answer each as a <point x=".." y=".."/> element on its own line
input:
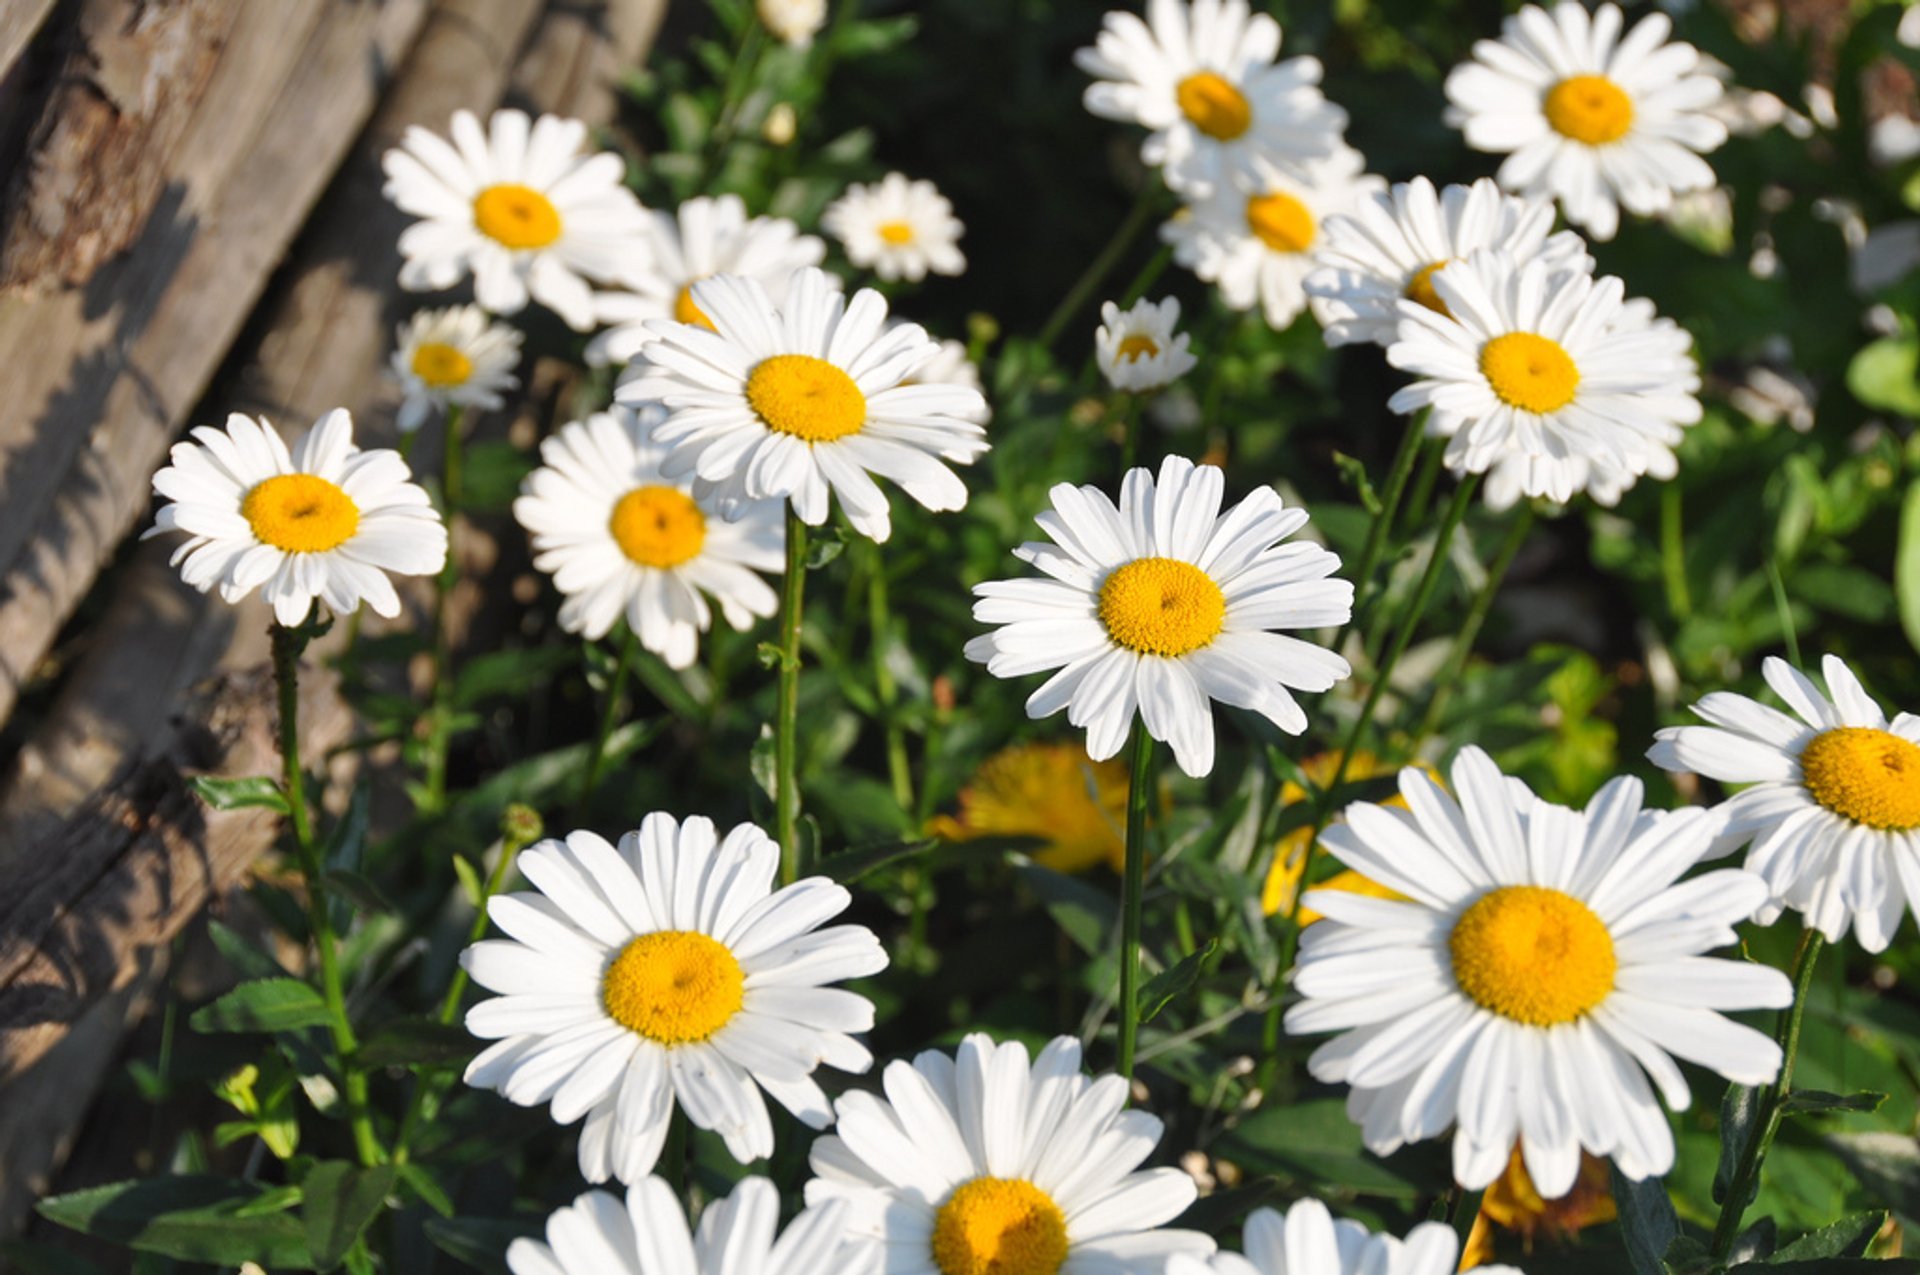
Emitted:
<point x="1223" y="113"/>
<point x="1388" y="248"/>
<point x="668" y="969"/>
<point x="453" y="356"/>
<point x="1307" y="1240"/>
<point x="646" y="1234"/>
<point x="1163" y="605"/>
<point x="703" y="237"/>
<point x="324" y="521"/>
<point x="1137" y="349"/>
<point x="952" y="366"/>
<point x="1544" y="964"/>
<point x="1587" y="117"/>
<point x="793" y="22"/>
<point x="1832" y="816"/>
<point x="898" y="229"/>
<point x="812" y="396"/>
<point x="1257" y="244"/>
<point x="621" y="538"/>
<point x="1543" y="377"/>
<point x="986" y="1164"/>
<point x="520" y="209"/>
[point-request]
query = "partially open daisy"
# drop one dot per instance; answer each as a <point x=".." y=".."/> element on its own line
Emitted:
<point x="668" y="969"/>
<point x="1511" y="1204"/>
<point x="812" y="396"/>
<point x="323" y="521"/>
<point x="988" y="1164"/>
<point x="1308" y="1240"/>
<point x="1076" y="807"/>
<point x="1545" y="963"/>
<point x="1832" y="816"/>
<point x="646" y="1234"/>
<point x="703" y="237"/>
<point x="1138" y="350"/>
<point x="519" y="208"/>
<point x="1391" y="245"/>
<point x="1542" y="377"/>
<point x="1257" y="244"/>
<point x="452" y="357"/>
<point x="1163" y="605"/>
<point x="1204" y="79"/>
<point x="1586" y="117"/>
<point x="621" y="538"/>
<point x="897" y="228"/>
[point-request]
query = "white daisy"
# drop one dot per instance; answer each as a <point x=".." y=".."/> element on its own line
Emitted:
<point x="1543" y="377"/>
<point x="1832" y="816"/>
<point x="520" y="209"/>
<point x="599" y="1234"/>
<point x="981" y="1164"/>
<point x="323" y="521"/>
<point x="619" y="537"/>
<point x="1137" y="350"/>
<point x="1164" y="605"/>
<point x="1388" y="248"/>
<point x="812" y="396"/>
<point x="1257" y="244"/>
<point x="1204" y="79"/>
<point x="793" y="22"/>
<point x="1587" y="117"/>
<point x="1307" y="1240"/>
<point x="452" y="356"/>
<point x="668" y="969"/>
<point x="1544" y="964"/>
<point x="703" y="237"/>
<point x="898" y="229"/>
<point x="952" y="366"/>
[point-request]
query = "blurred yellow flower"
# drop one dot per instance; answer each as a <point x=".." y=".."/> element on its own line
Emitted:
<point x="1054" y="792"/>
<point x="1290" y="856"/>
<point x="1511" y="1204"/>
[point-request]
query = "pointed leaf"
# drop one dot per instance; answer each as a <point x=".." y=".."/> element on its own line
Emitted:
<point x="192" y="1218"/>
<point x="265" y="1005"/>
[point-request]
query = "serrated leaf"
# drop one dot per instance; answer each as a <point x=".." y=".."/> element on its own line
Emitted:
<point x="241" y="794"/>
<point x="1848" y="1237"/>
<point x="265" y="1005"/>
<point x="189" y="1217"/>
<point x="1176" y="980"/>
<point x="341" y="1200"/>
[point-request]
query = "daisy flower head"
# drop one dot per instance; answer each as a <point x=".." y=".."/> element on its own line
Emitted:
<point x="814" y="396"/>
<point x="1257" y="244"/>
<point x="452" y="357"/>
<point x="668" y="969"/>
<point x="989" y="1163"/>
<point x="705" y="236"/>
<point x="1308" y="1240"/>
<point x="1074" y="806"/>
<point x="1587" y="117"/>
<point x="1543" y="967"/>
<point x="1162" y="605"/>
<point x="621" y="538"/>
<point x="320" y="521"/>
<point x="1390" y="246"/>
<point x="1204" y="79"/>
<point x="647" y="1234"/>
<point x="1831" y="814"/>
<point x="1543" y="379"/>
<point x="1138" y="350"/>
<point x="520" y="208"/>
<point x="898" y="229"/>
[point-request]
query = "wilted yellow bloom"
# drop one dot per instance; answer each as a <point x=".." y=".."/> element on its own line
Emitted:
<point x="1512" y="1204"/>
<point x="1290" y="856"/>
<point x="1052" y="792"/>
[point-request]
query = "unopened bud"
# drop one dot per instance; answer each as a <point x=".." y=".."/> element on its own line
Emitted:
<point x="520" y="826"/>
<point x="793" y="22"/>
<point x="781" y="124"/>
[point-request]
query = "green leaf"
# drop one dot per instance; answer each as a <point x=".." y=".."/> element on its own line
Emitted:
<point x="192" y="1218"/>
<point x="1848" y="1237"/>
<point x="349" y="837"/>
<point x="850" y="865"/>
<point x="1887" y="1164"/>
<point x="241" y="794"/>
<point x="1314" y="1145"/>
<point x="427" y="1187"/>
<point x="247" y="958"/>
<point x="1906" y="566"/>
<point x="480" y="1242"/>
<point x="1883" y="375"/>
<point x="31" y="1258"/>
<point x="265" y="1005"/>
<point x="1086" y="914"/>
<point x="492" y="476"/>
<point x="1815" y="1100"/>
<point x="341" y="1200"/>
<point x="1353" y="473"/>
<point x="498" y="674"/>
<point x="1176" y="980"/>
<point x="1647" y="1221"/>
<point x="358" y="890"/>
<point x="1739" y="1110"/>
<point x="417" y="1042"/>
<point x="470" y="884"/>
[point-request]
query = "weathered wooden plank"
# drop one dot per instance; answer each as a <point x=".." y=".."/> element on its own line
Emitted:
<point x="20" y="21"/>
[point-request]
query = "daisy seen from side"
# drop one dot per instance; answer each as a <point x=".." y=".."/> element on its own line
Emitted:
<point x="1308" y="1240"/>
<point x="1138" y="348"/>
<point x="455" y="357"/>
<point x="897" y="228"/>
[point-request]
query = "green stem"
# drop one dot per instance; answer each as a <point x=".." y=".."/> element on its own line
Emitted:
<point x="609" y="714"/>
<point x="1673" y="559"/>
<point x="786" y="722"/>
<point x="1476" y="617"/>
<point x="1139" y="794"/>
<point x="440" y="715"/>
<point x="1102" y="265"/>
<point x="1149" y="274"/>
<point x="1785" y="611"/>
<point x="1389" y="506"/>
<point x="287" y="644"/>
<point x="1129" y="432"/>
<point x="880" y="626"/>
<point x="1745" y="1182"/>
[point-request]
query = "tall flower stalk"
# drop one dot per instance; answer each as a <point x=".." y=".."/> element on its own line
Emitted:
<point x="786" y="719"/>
<point x="1133" y="893"/>
<point x="440" y="714"/>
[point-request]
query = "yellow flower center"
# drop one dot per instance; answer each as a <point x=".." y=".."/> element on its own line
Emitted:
<point x="896" y="232"/>
<point x="1136" y="347"/>
<point x="441" y="366"/>
<point x="999" y="1226"/>
<point x="658" y="526"/>
<point x="1532" y="954"/>
<point x="1215" y="106"/>
<point x="1420" y="288"/>
<point x="806" y="397"/>
<point x="1590" y="109"/>
<point x="685" y="311"/>
<point x="516" y="216"/>
<point x="301" y="513"/>
<point x="1162" y="606"/>
<point x="1870" y="776"/>
<point x="1282" y="222"/>
<point x="674" y="987"/>
<point x="1530" y="372"/>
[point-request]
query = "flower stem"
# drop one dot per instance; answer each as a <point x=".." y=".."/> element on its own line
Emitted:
<point x="1102" y="265"/>
<point x="1476" y="618"/>
<point x="786" y="723"/>
<point x="1130" y="411"/>
<point x="1139" y="793"/>
<point x="440" y="715"/>
<point x="886" y="689"/>
<point x="596" y="760"/>
<point x="1673" y="558"/>
<point x="1389" y="507"/>
<point x="1745" y="1182"/>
